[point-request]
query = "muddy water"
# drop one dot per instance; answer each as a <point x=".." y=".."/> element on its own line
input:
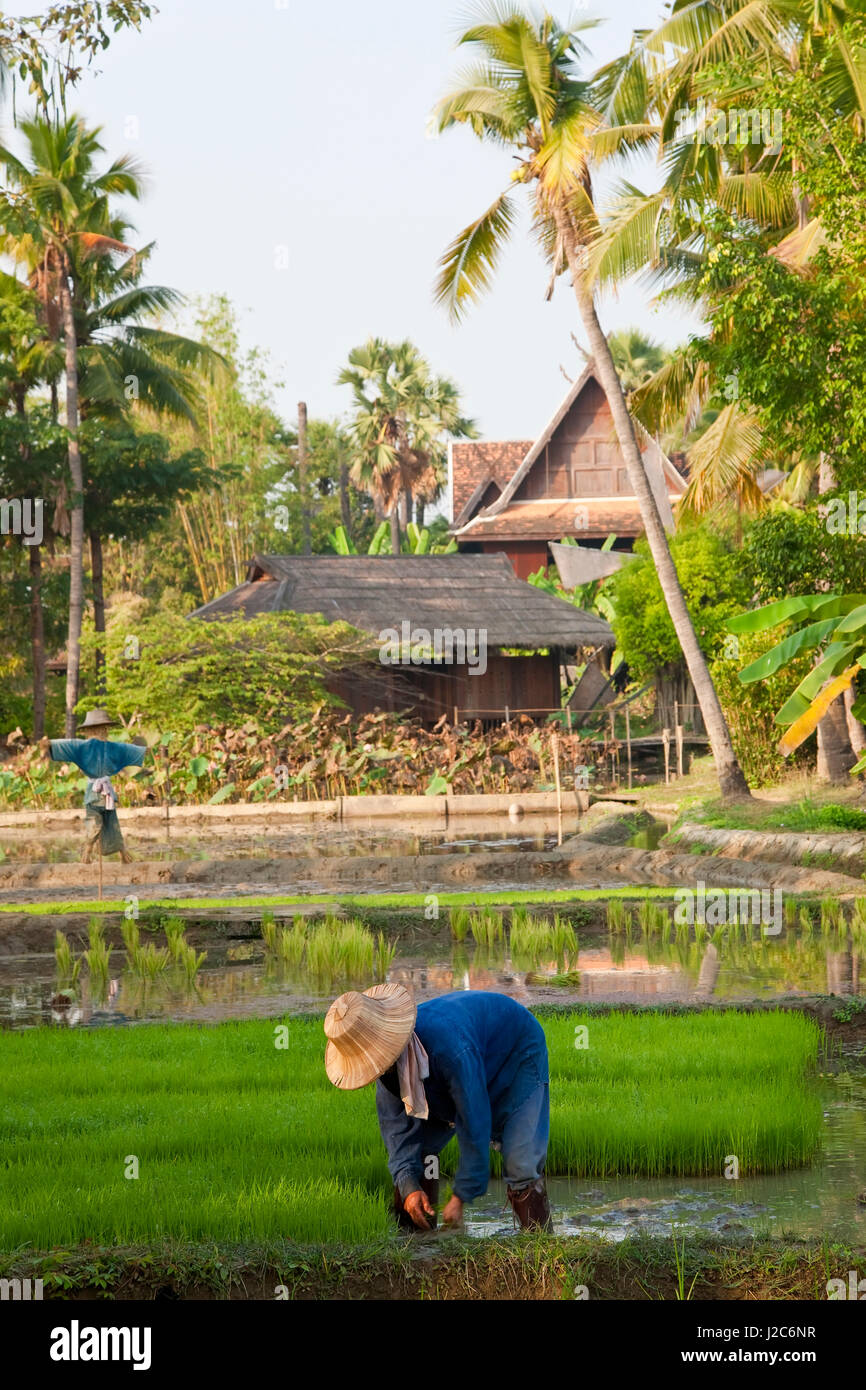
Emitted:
<point x="238" y="981"/>
<point x="330" y="840"/>
<point x="824" y="1200"/>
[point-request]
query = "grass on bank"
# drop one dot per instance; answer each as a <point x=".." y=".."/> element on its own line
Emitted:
<point x="52" y="907"/>
<point x="233" y="1133"/>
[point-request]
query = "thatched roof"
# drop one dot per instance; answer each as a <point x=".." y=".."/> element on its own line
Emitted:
<point x="374" y="593"/>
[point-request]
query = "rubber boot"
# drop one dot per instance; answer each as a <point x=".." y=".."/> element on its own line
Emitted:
<point x="430" y="1188"/>
<point x="531" y="1207"/>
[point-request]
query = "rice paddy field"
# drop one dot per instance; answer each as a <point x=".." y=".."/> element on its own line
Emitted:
<point x="114" y="1135"/>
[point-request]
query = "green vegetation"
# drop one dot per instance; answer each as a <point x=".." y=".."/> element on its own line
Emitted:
<point x="300" y="1161"/>
<point x="51" y="907"/>
<point x="799" y="817"/>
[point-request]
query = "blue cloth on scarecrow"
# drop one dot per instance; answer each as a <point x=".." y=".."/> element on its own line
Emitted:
<point x="97" y="757"/>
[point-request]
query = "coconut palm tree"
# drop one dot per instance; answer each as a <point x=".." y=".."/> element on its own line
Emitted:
<point x="526" y="94"/>
<point x="635" y="356"/>
<point x="657" y="91"/>
<point x="55" y="207"/>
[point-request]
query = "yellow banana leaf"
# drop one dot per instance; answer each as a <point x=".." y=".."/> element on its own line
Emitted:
<point x="808" y="722"/>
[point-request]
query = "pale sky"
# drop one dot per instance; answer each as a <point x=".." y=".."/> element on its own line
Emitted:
<point x="290" y="167"/>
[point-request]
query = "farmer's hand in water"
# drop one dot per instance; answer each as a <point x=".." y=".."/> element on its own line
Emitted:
<point x="417" y="1204"/>
<point x="452" y="1214"/>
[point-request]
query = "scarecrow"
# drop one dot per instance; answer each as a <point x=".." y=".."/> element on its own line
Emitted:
<point x="472" y="1064"/>
<point x="99" y="758"/>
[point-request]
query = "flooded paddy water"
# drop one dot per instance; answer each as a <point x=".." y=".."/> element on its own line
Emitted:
<point x="240" y="979"/>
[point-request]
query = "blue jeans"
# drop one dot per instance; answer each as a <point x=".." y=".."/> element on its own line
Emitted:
<point x="524" y="1140"/>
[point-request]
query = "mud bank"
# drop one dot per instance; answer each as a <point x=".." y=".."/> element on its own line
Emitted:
<point x="846" y="850"/>
<point x="579" y="861"/>
<point x="527" y="1268"/>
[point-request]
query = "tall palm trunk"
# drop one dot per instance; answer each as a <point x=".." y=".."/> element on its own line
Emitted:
<point x="76" y="510"/>
<point x="836" y="755"/>
<point x="345" y="504"/>
<point x="37" y="641"/>
<point x="395" y="528"/>
<point x="96" y="576"/>
<point x="731" y="779"/>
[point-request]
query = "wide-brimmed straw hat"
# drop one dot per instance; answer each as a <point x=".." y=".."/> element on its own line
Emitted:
<point x="96" y="719"/>
<point x="366" y="1034"/>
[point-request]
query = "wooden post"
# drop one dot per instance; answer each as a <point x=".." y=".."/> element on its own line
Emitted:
<point x="167" y="794"/>
<point x="307" y="545"/>
<point x="455" y="716"/>
<point x="507" y="717"/>
<point x="614" y="777"/>
<point x="666" y="741"/>
<point x="628" y="743"/>
<point x="554" y="750"/>
<point x="679" y="737"/>
<point x="100" y="864"/>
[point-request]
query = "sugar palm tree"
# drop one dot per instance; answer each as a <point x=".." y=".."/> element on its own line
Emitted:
<point x="403" y="417"/>
<point x="55" y="207"/>
<point x="526" y="94"/>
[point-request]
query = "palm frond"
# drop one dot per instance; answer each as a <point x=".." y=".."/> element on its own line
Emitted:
<point x="469" y="263"/>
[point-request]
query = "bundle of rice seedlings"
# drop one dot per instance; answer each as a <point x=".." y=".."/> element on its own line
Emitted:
<point x="832" y="917"/>
<point x="190" y="961"/>
<point x="459" y="922"/>
<point x="269" y="931"/>
<point x="98" y="956"/>
<point x="290" y="944"/>
<point x="150" y="961"/>
<point x="131" y="935"/>
<point x="385" y="953"/>
<point x="805" y="920"/>
<point x="486" y="927"/>
<point x="174" y="934"/>
<point x="618" y="915"/>
<point x="790" y="913"/>
<point x="68" y="964"/>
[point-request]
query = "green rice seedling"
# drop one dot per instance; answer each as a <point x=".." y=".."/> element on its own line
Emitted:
<point x="805" y="921"/>
<point x="190" y="961"/>
<point x="68" y="964"/>
<point x="486" y="927"/>
<point x="269" y="931"/>
<point x="564" y="938"/>
<point x="700" y="932"/>
<point x="790" y="913"/>
<point x="340" y="950"/>
<point x="98" y="956"/>
<point x="653" y="1095"/>
<point x="385" y="953"/>
<point x="718" y="936"/>
<point x="459" y="921"/>
<point x="858" y="915"/>
<point x="290" y="944"/>
<point x="175" y="929"/>
<point x="831" y="916"/>
<point x="129" y="930"/>
<point x="618" y="915"/>
<point x="150" y="961"/>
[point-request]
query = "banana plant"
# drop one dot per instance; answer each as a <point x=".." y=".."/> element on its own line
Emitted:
<point x="833" y="625"/>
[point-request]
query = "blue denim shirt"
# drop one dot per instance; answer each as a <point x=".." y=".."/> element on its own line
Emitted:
<point x="487" y="1054"/>
<point x="96" y="757"/>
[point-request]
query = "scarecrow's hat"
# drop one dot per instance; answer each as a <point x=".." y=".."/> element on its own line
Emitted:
<point x="366" y="1034"/>
<point x="96" y="719"/>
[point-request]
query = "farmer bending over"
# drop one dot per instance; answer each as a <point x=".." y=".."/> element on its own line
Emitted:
<point x="472" y="1064"/>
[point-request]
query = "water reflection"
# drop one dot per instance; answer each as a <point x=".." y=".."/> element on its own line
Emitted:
<point x="612" y="968"/>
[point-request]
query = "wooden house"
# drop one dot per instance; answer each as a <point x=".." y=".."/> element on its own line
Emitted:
<point x="571" y="481"/>
<point x="453" y="632"/>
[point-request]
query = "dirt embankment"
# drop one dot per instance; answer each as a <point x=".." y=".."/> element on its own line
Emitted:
<point x="579" y="862"/>
<point x="450" y="1267"/>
